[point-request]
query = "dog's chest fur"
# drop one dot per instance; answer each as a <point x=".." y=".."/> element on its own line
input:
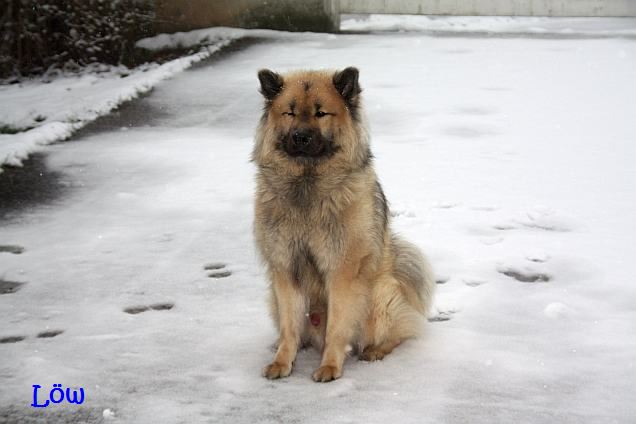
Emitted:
<point x="304" y="224"/>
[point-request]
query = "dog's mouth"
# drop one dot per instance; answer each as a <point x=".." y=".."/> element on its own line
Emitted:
<point x="314" y="150"/>
<point x="307" y="146"/>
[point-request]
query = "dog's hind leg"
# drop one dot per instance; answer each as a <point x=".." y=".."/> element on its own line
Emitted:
<point x="391" y="320"/>
<point x="290" y="310"/>
<point x="401" y="299"/>
<point x="377" y="353"/>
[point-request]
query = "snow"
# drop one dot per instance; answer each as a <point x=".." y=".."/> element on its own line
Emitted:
<point x="557" y="310"/>
<point x="56" y="109"/>
<point x="108" y="414"/>
<point x="205" y="36"/>
<point x="508" y="160"/>
<point x="492" y="25"/>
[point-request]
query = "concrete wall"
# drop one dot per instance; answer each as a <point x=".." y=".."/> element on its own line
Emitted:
<point x="324" y="15"/>
<point x="493" y="7"/>
<point x="290" y="15"/>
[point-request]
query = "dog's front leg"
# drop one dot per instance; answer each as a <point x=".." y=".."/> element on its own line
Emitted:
<point x="347" y="304"/>
<point x="290" y="306"/>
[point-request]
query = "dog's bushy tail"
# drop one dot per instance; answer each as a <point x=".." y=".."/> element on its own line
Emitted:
<point x="414" y="272"/>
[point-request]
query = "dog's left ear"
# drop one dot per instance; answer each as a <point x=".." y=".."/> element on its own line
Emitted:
<point x="271" y="83"/>
<point x="346" y="82"/>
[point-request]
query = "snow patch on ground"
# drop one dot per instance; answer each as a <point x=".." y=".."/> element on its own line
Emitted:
<point x="180" y="40"/>
<point x="492" y="24"/>
<point x="16" y="147"/>
<point x="56" y="109"/>
<point x="557" y="310"/>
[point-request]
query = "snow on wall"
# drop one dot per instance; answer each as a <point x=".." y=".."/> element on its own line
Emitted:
<point x="596" y="8"/>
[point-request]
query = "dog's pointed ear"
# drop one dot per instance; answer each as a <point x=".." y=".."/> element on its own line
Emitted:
<point x="346" y="82"/>
<point x="271" y="83"/>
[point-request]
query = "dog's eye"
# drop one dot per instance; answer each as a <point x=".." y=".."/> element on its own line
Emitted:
<point x="320" y="114"/>
<point x="289" y="113"/>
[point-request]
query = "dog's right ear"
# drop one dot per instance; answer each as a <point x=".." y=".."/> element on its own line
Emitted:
<point x="271" y="83"/>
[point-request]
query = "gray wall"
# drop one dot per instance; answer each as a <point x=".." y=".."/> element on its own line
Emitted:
<point x="493" y="7"/>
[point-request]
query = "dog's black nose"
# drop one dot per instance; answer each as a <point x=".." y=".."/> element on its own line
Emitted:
<point x="301" y="139"/>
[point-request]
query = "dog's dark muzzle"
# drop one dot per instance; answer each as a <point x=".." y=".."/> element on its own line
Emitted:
<point x="304" y="143"/>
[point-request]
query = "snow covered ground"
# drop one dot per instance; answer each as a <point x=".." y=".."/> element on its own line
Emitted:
<point x="508" y="160"/>
<point x="34" y="113"/>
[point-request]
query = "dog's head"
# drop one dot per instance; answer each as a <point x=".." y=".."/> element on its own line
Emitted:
<point x="310" y="118"/>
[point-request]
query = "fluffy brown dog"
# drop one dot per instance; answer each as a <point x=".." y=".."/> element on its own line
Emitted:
<point x="339" y="278"/>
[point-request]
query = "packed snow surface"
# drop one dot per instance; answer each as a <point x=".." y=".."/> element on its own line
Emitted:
<point x="510" y="161"/>
<point x="47" y="111"/>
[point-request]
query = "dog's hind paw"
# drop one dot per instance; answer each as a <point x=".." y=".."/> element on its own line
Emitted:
<point x="277" y="370"/>
<point x="371" y="354"/>
<point x="326" y="373"/>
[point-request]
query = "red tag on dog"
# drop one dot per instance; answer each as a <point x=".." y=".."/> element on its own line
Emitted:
<point x="314" y="318"/>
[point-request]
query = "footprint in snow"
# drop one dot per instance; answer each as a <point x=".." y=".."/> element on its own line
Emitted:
<point x="490" y="241"/>
<point x="474" y="282"/>
<point x="402" y="212"/>
<point x="525" y="276"/>
<point x="7" y="287"/>
<point x="504" y="227"/>
<point x="470" y="131"/>
<point x="10" y="248"/>
<point x="42" y="335"/>
<point x="441" y="316"/>
<point x="134" y="310"/>
<point x="217" y="270"/>
<point x="12" y="339"/>
<point x="538" y="258"/>
<point x="49" y="334"/>
<point x="539" y="219"/>
<point x="445" y="205"/>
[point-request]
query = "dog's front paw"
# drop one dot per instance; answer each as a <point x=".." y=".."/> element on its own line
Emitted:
<point x="327" y="373"/>
<point x="277" y="370"/>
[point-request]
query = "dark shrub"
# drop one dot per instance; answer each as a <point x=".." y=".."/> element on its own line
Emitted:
<point x="43" y="35"/>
